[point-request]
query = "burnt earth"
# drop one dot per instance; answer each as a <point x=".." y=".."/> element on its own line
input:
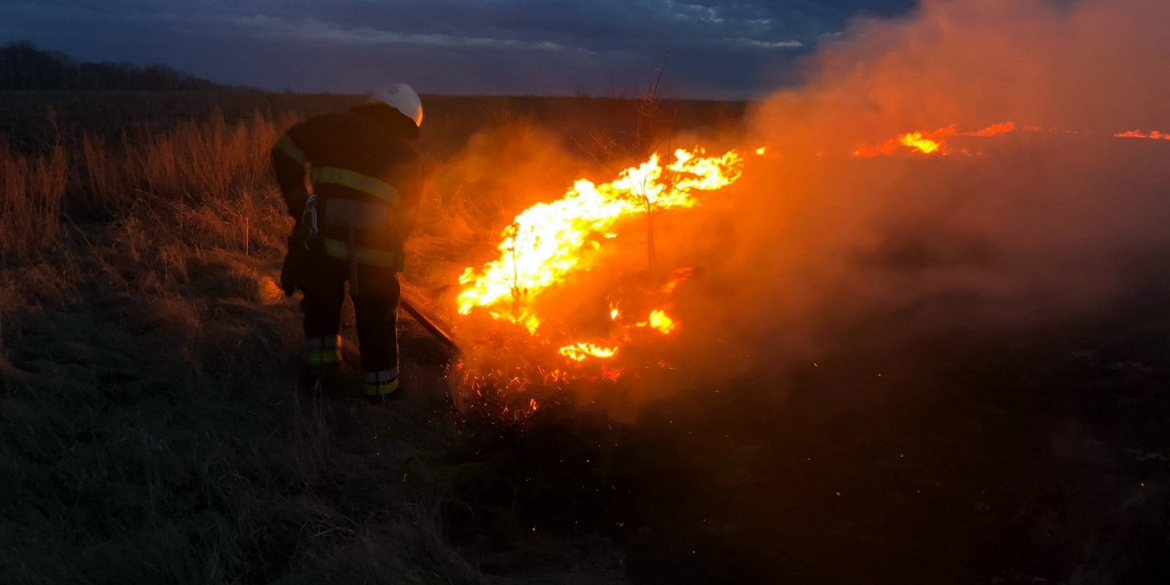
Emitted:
<point x="1035" y="455"/>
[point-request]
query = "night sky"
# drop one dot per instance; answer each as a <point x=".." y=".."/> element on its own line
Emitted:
<point x="718" y="49"/>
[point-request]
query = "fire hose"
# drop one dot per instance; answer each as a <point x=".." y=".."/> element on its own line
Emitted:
<point x="428" y="321"/>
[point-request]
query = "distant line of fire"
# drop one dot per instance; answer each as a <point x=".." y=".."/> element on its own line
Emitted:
<point x="935" y="142"/>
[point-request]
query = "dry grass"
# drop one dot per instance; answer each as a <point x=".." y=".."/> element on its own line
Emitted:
<point x="210" y="179"/>
<point x="33" y="189"/>
<point x="152" y="425"/>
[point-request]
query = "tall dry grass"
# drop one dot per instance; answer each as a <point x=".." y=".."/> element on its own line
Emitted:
<point x="151" y="214"/>
<point x="31" y="192"/>
<point x="196" y="161"/>
<point x="207" y="182"/>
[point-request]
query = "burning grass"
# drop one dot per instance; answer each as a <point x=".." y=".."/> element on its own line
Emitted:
<point x="551" y="247"/>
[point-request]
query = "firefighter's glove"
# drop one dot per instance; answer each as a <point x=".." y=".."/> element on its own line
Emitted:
<point x="292" y="273"/>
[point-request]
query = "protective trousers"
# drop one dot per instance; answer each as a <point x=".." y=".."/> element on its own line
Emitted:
<point x="375" y="308"/>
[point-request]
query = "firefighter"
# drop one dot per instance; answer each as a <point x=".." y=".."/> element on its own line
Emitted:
<point x="351" y="180"/>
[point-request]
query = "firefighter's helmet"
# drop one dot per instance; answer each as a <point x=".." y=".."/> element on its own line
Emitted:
<point x="403" y="98"/>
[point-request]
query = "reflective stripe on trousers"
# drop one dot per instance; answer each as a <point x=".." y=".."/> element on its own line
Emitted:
<point x="374" y="310"/>
<point x="380" y="383"/>
<point x="324" y="342"/>
<point x="380" y="377"/>
<point x="323" y="351"/>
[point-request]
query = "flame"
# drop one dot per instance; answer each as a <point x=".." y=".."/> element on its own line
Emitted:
<point x="678" y="276"/>
<point x="761" y="151"/>
<point x="580" y="351"/>
<point x="872" y="151"/>
<point x="542" y="252"/>
<point x="931" y="142"/>
<point x="548" y="242"/>
<point x="1153" y="135"/>
<point x="996" y="129"/>
<point x="934" y="143"/>
<point x="919" y="142"/>
<point x="922" y="142"/>
<point x="662" y="322"/>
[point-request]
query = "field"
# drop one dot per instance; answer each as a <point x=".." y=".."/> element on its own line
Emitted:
<point x="153" y="427"/>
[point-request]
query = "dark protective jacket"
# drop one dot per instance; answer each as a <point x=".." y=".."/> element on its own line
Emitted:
<point x="365" y="175"/>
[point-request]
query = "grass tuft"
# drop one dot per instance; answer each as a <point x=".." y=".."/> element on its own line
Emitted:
<point x="31" y="192"/>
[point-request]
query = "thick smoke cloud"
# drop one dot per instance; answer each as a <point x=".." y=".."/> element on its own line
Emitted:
<point x="1041" y="223"/>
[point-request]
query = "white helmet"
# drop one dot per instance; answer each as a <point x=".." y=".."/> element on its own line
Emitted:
<point x="403" y="98"/>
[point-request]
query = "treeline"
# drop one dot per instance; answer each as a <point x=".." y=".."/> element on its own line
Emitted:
<point x="23" y="66"/>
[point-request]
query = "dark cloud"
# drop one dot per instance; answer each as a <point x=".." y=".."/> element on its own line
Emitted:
<point x="451" y="46"/>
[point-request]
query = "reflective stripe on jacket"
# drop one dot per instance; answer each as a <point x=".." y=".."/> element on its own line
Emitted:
<point x="347" y="214"/>
<point x="368" y="256"/>
<point x="289" y="148"/>
<point x="366" y="176"/>
<point x="358" y="182"/>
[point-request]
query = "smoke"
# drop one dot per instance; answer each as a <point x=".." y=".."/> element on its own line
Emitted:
<point x="1090" y="66"/>
<point x="1006" y="231"/>
<point x="813" y="243"/>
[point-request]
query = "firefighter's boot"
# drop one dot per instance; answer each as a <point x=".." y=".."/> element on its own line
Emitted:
<point x="324" y="355"/>
<point x="380" y="386"/>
